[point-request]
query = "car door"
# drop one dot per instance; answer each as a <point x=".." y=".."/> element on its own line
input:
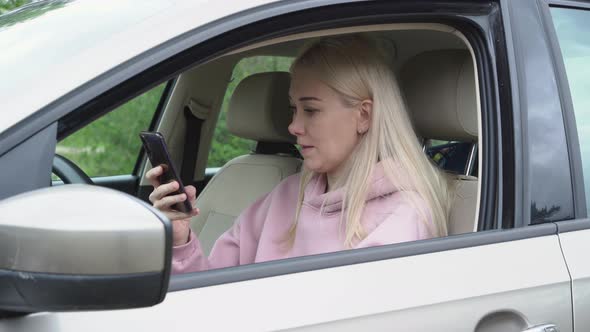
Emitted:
<point x="567" y="26"/>
<point x="492" y="280"/>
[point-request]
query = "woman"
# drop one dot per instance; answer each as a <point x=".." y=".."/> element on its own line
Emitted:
<point x="365" y="180"/>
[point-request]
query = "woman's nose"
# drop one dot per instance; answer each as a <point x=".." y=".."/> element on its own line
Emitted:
<point x="296" y="127"/>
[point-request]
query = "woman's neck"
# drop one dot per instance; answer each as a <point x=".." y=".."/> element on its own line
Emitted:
<point x="337" y="177"/>
<point x="334" y="180"/>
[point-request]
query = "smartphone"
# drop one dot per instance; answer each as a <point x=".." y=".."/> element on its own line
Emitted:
<point x="155" y="147"/>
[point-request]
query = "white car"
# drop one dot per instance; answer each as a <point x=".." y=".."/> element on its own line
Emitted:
<point x="498" y="91"/>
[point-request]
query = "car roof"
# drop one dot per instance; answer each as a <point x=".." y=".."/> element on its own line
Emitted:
<point x="50" y="48"/>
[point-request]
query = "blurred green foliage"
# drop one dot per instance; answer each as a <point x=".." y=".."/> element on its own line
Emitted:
<point x="8" y="5"/>
<point x="35" y="9"/>
<point x="110" y="145"/>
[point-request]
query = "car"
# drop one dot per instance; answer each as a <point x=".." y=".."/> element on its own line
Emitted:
<point x="496" y="89"/>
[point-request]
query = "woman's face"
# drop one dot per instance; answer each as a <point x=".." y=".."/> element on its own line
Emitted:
<point x="327" y="130"/>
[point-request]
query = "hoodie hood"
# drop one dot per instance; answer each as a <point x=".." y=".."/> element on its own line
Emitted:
<point x="315" y="195"/>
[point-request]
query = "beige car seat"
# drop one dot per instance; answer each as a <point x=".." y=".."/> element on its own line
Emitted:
<point x="258" y="110"/>
<point x="441" y="95"/>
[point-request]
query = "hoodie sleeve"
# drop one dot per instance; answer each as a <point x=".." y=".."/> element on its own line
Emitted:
<point x="404" y="223"/>
<point x="236" y="246"/>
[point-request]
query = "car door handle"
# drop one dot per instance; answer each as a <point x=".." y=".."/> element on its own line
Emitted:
<point x="542" y="328"/>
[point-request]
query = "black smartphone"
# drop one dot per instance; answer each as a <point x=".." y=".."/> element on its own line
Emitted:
<point x="155" y="147"/>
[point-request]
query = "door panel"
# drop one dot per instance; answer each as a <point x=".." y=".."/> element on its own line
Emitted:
<point x="576" y="246"/>
<point x="123" y="183"/>
<point x="513" y="284"/>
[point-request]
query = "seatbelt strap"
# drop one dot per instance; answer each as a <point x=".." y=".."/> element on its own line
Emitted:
<point x="194" y="115"/>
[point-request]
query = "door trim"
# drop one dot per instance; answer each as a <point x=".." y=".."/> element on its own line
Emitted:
<point x="356" y="256"/>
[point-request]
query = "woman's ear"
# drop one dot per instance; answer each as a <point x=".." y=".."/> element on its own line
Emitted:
<point x="365" y="115"/>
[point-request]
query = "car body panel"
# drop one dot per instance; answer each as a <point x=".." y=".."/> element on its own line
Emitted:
<point x="50" y="55"/>
<point x="380" y="295"/>
<point x="576" y="246"/>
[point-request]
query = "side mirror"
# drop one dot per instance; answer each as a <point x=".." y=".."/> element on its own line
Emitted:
<point x="80" y="247"/>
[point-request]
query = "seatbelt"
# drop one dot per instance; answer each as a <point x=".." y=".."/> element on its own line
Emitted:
<point x="194" y="115"/>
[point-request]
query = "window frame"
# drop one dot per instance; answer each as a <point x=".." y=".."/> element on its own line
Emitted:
<point x="141" y="157"/>
<point x="204" y="43"/>
<point x="572" y="138"/>
<point x="357" y="256"/>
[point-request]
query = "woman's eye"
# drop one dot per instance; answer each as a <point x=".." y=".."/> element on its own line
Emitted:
<point x="309" y="111"/>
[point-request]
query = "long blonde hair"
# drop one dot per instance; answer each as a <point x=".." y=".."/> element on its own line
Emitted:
<point x="355" y="67"/>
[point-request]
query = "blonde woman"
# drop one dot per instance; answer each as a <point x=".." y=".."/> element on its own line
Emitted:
<point x="365" y="180"/>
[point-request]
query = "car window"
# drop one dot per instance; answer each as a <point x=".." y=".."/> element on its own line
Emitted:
<point x="110" y="145"/>
<point x="230" y="198"/>
<point x="572" y="26"/>
<point x="226" y="146"/>
<point x="451" y="156"/>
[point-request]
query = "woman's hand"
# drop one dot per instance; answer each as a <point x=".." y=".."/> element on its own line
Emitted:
<point x="161" y="201"/>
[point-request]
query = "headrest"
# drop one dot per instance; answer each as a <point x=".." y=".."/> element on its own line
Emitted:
<point x="441" y="95"/>
<point x="259" y="108"/>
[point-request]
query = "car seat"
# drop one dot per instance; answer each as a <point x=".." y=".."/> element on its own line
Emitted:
<point x="258" y="110"/>
<point x="440" y="92"/>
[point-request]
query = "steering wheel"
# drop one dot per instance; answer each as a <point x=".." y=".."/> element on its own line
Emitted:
<point x="69" y="172"/>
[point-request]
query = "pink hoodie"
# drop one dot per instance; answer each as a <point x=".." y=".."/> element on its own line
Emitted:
<point x="260" y="231"/>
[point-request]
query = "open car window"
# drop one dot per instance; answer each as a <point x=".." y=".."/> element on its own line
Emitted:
<point x="247" y="179"/>
<point x="110" y="145"/>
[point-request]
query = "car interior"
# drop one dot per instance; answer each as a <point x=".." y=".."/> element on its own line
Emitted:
<point x="433" y="63"/>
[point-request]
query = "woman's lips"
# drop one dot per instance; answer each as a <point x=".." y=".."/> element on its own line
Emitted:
<point x="305" y="148"/>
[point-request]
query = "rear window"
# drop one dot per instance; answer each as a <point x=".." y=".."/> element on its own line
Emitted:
<point x="226" y="146"/>
<point x="573" y="27"/>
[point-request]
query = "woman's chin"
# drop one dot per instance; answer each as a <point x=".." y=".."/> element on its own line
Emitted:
<point x="313" y="166"/>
